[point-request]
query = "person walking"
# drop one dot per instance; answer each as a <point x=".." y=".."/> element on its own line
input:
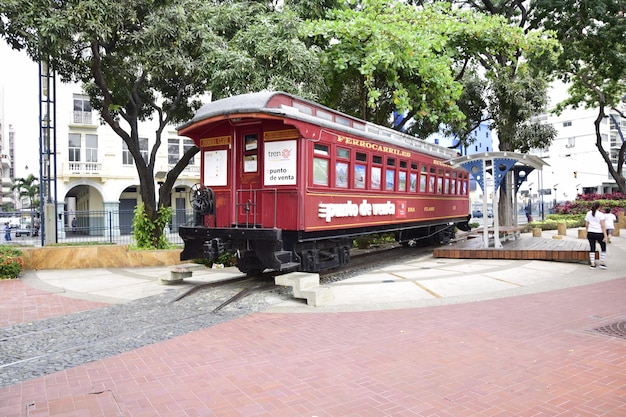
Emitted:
<point x="7" y="232"/>
<point x="596" y="233"/>
<point x="609" y="222"/>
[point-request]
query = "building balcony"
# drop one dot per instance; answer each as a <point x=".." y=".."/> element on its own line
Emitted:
<point x="190" y="171"/>
<point x="81" y="168"/>
<point x="82" y="118"/>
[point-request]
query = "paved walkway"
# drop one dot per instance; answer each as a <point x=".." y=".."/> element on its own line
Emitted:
<point x="424" y="338"/>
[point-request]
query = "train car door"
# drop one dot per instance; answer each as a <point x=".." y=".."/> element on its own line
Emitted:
<point x="248" y="179"/>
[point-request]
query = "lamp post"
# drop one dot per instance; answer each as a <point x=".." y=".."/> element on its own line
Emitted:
<point x="554" y="205"/>
<point x="530" y="201"/>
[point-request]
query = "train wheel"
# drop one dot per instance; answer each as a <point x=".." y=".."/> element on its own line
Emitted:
<point x="250" y="264"/>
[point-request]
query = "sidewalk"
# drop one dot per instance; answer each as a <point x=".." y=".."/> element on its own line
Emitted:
<point x="486" y="339"/>
<point x="424" y="281"/>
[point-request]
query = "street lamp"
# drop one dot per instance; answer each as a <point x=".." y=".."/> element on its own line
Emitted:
<point x="554" y="188"/>
<point x="530" y="201"/>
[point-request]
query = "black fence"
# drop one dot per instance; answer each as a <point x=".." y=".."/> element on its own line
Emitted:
<point x="86" y="226"/>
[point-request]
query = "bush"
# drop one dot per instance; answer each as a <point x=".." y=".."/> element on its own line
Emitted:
<point x="367" y="241"/>
<point x="552" y="221"/>
<point x="11" y="262"/>
<point x="143" y="228"/>
<point x="615" y="201"/>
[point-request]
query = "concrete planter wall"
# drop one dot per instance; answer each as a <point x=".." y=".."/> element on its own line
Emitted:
<point x="113" y="256"/>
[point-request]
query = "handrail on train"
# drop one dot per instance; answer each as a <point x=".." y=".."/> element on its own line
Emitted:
<point x="252" y="204"/>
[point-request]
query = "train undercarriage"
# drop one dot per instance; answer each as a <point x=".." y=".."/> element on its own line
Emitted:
<point x="257" y="249"/>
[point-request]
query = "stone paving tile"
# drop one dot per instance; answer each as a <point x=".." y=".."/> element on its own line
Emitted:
<point x="530" y="355"/>
<point x="20" y="303"/>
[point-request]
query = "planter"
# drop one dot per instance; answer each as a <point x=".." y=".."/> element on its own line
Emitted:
<point x="105" y="256"/>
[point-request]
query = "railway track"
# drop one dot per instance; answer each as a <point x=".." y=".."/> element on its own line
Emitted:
<point x="32" y="350"/>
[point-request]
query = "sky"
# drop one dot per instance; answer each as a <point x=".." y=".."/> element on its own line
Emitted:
<point x="19" y="78"/>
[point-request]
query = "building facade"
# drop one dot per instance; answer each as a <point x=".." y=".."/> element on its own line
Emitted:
<point x="96" y="172"/>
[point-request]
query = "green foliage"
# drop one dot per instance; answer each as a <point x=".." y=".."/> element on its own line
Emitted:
<point x="409" y="58"/>
<point x="552" y="221"/>
<point x="11" y="262"/>
<point x="145" y="59"/>
<point x="366" y="241"/>
<point x="145" y="229"/>
<point x="28" y="187"/>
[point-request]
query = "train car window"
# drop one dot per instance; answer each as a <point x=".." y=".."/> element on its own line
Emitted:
<point x="446" y="183"/>
<point x="403" y="164"/>
<point x="439" y="185"/>
<point x="321" y="164"/>
<point x="391" y="162"/>
<point x="251" y="142"/>
<point x="414" y="165"/>
<point x="359" y="126"/>
<point x="413" y="182"/>
<point x="431" y="184"/>
<point x="342" y="120"/>
<point x="359" y="175"/>
<point x="453" y="189"/>
<point x="250" y="157"/>
<point x="376" y="173"/>
<point x="423" y="179"/>
<point x="342" y="169"/>
<point x="341" y="174"/>
<point x="390" y="179"/>
<point x="303" y="108"/>
<point x="361" y="157"/>
<point x="323" y="115"/>
<point x="320" y="149"/>
<point x="343" y="153"/>
<point x="402" y="181"/>
<point x="320" y="171"/>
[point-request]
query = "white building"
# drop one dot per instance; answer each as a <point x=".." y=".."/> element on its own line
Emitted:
<point x="576" y="165"/>
<point x="94" y="169"/>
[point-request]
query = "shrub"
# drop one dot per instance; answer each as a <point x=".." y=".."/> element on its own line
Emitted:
<point x="366" y="241"/>
<point x="143" y="228"/>
<point x="552" y="221"/>
<point x="11" y="262"/>
<point x="615" y="201"/>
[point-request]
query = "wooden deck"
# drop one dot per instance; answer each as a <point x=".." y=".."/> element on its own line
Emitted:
<point x="531" y="248"/>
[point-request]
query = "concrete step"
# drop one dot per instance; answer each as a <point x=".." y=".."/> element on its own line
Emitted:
<point x="177" y="273"/>
<point x="307" y="286"/>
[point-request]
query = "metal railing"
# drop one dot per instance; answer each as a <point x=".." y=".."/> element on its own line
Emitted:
<point x="91" y="227"/>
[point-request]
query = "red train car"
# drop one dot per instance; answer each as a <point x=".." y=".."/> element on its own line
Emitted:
<point x="287" y="184"/>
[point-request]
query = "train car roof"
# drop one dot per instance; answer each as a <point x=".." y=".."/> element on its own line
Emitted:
<point x="269" y="102"/>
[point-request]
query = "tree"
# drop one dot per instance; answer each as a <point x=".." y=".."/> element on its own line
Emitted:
<point x="411" y="59"/>
<point x="593" y="35"/>
<point x="28" y="187"/>
<point x="144" y="59"/>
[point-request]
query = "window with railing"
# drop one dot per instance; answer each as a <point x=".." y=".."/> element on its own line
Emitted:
<point x="82" y="152"/>
<point x="176" y="148"/>
<point x="82" y="109"/>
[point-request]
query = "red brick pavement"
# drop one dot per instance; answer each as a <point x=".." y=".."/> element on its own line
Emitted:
<point x="20" y="303"/>
<point x="530" y="355"/>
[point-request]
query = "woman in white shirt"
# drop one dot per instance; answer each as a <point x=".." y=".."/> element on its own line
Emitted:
<point x="596" y="233"/>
